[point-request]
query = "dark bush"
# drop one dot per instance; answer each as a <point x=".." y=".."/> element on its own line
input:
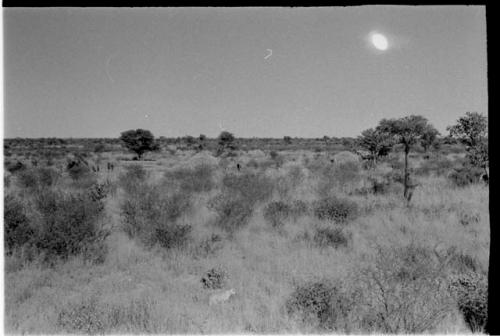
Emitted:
<point x="276" y="212"/>
<point x="333" y="237"/>
<point x="78" y="170"/>
<point x="69" y="222"/>
<point x="335" y="209"/>
<point x="232" y="213"/>
<point x="320" y="303"/>
<point x="215" y="278"/>
<point x="471" y="292"/>
<point x="13" y="167"/>
<point x="172" y="235"/>
<point x="17" y="227"/>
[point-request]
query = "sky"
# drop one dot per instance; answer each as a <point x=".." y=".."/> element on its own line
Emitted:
<point x="256" y="72"/>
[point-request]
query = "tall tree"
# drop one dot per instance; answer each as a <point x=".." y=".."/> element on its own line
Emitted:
<point x="407" y="131"/>
<point x="376" y="142"/>
<point x="139" y="141"/>
<point x="472" y="131"/>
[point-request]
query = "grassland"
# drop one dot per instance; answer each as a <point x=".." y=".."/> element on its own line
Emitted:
<point x="308" y="245"/>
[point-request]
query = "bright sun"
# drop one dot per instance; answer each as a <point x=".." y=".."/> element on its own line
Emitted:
<point x="379" y="41"/>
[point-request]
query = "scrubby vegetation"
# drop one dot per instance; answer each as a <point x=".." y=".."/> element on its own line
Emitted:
<point x="313" y="235"/>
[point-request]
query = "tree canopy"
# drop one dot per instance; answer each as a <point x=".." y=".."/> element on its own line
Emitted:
<point x="139" y="141"/>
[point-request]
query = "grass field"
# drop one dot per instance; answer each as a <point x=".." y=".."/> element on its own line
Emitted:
<point x="308" y="246"/>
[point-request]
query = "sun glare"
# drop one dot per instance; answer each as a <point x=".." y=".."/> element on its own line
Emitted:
<point x="379" y="41"/>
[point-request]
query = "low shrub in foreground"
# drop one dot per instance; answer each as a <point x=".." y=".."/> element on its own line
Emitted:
<point x="336" y="209"/>
<point x="471" y="292"/>
<point x="215" y="278"/>
<point x="321" y="304"/>
<point x="405" y="291"/>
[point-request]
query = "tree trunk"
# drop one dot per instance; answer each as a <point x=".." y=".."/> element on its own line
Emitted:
<point x="407" y="174"/>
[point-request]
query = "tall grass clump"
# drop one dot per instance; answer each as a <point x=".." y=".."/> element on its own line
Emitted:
<point x="190" y="180"/>
<point x="151" y="215"/>
<point x="339" y="210"/>
<point x="132" y="179"/>
<point x="276" y="212"/>
<point x="37" y="178"/>
<point x="232" y="213"/>
<point x="250" y="187"/>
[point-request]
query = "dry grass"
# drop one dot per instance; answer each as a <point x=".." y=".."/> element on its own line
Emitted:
<point x="144" y="289"/>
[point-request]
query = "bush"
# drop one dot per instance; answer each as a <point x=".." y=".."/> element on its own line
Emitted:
<point x="13" y="167"/>
<point x="320" y="303"/>
<point x="298" y="208"/>
<point x="405" y="291"/>
<point x="250" y="187"/>
<point x="150" y="215"/>
<point x="193" y="180"/>
<point x="335" y="209"/>
<point x="333" y="237"/>
<point x="462" y="177"/>
<point x="471" y="292"/>
<point x="69" y="223"/>
<point x="215" y="278"/>
<point x="232" y="213"/>
<point x="17" y="227"/>
<point x="275" y="212"/>
<point x="37" y="178"/>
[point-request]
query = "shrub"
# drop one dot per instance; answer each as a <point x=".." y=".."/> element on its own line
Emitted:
<point x="462" y="177"/>
<point x="471" y="292"/>
<point x="36" y="178"/>
<point x="69" y="222"/>
<point x="13" y="167"/>
<point x="150" y="215"/>
<point x="193" y="180"/>
<point x="321" y="303"/>
<point x="335" y="209"/>
<point x="232" y="213"/>
<point x="298" y="208"/>
<point x="275" y="212"/>
<point x="17" y="227"/>
<point x="405" y="291"/>
<point x="251" y="187"/>
<point x="173" y="235"/>
<point x="333" y="237"/>
<point x="215" y="278"/>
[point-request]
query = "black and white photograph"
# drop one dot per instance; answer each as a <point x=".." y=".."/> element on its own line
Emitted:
<point x="246" y="170"/>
